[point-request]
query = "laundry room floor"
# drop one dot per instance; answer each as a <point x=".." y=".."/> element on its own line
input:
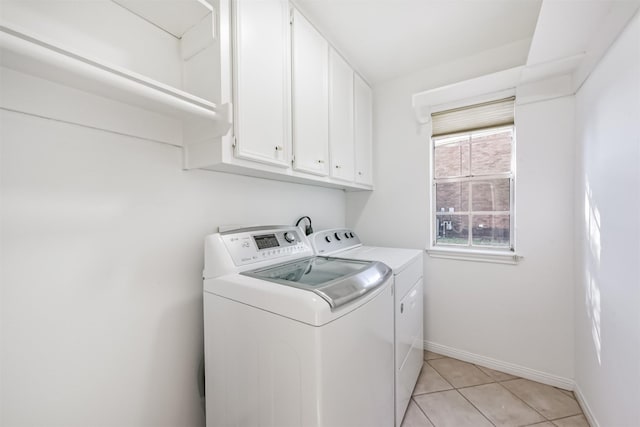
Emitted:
<point x="453" y="393"/>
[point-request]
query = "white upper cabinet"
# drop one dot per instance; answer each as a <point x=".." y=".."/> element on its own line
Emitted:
<point x="243" y="86"/>
<point x="341" y="134"/>
<point x="261" y="85"/>
<point x="364" y="134"/>
<point x="310" y="85"/>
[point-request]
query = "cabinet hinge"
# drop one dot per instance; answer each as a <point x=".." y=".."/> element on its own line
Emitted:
<point x="293" y="159"/>
<point x="234" y="144"/>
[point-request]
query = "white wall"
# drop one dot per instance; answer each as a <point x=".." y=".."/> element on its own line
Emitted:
<point x="519" y="315"/>
<point x="607" y="218"/>
<point x="101" y="271"/>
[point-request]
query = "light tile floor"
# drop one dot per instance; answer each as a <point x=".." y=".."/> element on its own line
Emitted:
<point x="452" y="393"/>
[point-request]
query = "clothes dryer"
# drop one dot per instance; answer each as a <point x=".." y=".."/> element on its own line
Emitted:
<point x="408" y="302"/>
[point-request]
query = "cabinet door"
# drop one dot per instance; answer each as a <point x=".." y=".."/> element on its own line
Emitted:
<point x="341" y="142"/>
<point x="363" y="128"/>
<point x="310" y="57"/>
<point x="261" y="86"/>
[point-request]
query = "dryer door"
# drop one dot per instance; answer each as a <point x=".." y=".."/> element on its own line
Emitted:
<point x="409" y="344"/>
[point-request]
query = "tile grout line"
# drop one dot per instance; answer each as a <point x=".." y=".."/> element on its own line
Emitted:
<point x="493" y="381"/>
<point x="519" y="398"/>
<point x="441" y="376"/>
<point x="523" y="401"/>
<point x="463" y="396"/>
<point x="436" y="358"/>
<point x="476" y="408"/>
<point x="490" y="382"/>
<point x="541" y="414"/>
<point x="499" y="383"/>
<point x="421" y="394"/>
<point x="434" y="391"/>
<point x="424" y="413"/>
<point x="497" y="380"/>
<point x="570" y="416"/>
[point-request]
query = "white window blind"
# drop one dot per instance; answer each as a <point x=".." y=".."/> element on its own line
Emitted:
<point x="473" y="117"/>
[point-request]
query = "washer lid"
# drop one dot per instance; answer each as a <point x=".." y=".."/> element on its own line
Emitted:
<point x="338" y="281"/>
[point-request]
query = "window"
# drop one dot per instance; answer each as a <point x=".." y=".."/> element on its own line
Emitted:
<point x="473" y="177"/>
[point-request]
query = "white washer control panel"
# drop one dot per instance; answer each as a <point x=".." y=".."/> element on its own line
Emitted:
<point x="250" y="245"/>
<point x="337" y="239"/>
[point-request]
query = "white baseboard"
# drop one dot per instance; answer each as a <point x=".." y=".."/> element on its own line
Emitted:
<point x="593" y="422"/>
<point x="498" y="365"/>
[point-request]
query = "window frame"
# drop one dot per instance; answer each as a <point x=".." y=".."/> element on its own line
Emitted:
<point x="469" y="251"/>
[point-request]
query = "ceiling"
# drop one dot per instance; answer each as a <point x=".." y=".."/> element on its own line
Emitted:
<point x="384" y="39"/>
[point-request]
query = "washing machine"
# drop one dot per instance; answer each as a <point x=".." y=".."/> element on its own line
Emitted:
<point x="295" y="339"/>
<point x="406" y="265"/>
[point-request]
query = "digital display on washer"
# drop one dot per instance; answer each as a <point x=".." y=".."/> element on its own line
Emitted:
<point x="266" y="241"/>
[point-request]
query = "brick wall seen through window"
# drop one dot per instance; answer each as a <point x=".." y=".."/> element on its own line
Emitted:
<point x="473" y="189"/>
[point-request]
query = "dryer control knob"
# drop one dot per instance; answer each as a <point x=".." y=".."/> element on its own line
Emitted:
<point x="328" y="239"/>
<point x="337" y="236"/>
<point x="289" y="237"/>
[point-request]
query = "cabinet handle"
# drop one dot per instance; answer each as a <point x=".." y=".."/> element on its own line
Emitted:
<point x="321" y="161"/>
<point x="338" y="166"/>
<point x="278" y="147"/>
<point x="359" y="173"/>
<point x="402" y="308"/>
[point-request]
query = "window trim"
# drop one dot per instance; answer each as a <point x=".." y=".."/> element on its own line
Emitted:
<point x="470" y="252"/>
<point x="477" y="255"/>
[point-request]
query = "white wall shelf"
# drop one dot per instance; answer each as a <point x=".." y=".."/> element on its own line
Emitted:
<point x="32" y="55"/>
<point x="175" y="17"/>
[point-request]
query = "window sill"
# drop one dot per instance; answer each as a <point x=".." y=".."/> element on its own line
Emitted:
<point x="475" y="255"/>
